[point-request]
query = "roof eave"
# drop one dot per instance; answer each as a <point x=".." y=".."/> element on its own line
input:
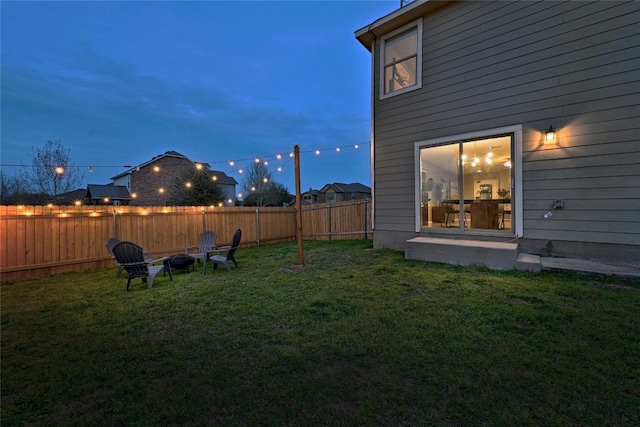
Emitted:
<point x="396" y="19"/>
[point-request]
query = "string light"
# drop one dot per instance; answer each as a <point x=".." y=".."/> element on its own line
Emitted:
<point x="232" y="163"/>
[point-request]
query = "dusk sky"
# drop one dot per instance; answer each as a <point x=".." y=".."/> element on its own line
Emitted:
<point x="119" y="82"/>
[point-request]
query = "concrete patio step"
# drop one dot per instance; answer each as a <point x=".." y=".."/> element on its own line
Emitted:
<point x="495" y="255"/>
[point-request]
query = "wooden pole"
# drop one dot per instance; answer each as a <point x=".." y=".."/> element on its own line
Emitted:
<point x="296" y="155"/>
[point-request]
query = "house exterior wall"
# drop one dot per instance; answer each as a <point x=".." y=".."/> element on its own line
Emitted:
<point x="573" y="65"/>
<point x="146" y="182"/>
<point x="229" y="192"/>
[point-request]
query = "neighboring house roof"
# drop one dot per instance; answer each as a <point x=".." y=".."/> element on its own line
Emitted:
<point x="72" y="196"/>
<point x="154" y="159"/>
<point x="223" y="178"/>
<point x="339" y="187"/>
<point x="113" y="192"/>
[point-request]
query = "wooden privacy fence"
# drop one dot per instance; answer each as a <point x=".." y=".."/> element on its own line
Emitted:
<point x="43" y="240"/>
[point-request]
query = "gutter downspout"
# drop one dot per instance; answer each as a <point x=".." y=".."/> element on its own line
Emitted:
<point x="372" y="136"/>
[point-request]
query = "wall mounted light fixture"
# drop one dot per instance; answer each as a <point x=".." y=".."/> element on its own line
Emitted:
<point x="550" y="136"/>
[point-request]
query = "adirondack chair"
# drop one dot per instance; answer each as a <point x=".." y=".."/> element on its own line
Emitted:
<point x="205" y="248"/>
<point x="112" y="242"/>
<point x="230" y="250"/>
<point x="131" y="258"/>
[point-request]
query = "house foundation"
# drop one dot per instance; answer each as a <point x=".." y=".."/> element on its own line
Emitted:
<point x="494" y="255"/>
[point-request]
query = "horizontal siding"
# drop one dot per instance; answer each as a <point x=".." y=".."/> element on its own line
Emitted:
<point x="575" y="65"/>
<point x="533" y="178"/>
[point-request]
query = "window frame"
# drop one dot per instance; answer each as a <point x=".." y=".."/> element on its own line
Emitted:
<point x="417" y="24"/>
<point x="516" y="176"/>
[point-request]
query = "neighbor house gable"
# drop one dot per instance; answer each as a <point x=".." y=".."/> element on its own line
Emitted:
<point x="153" y="182"/>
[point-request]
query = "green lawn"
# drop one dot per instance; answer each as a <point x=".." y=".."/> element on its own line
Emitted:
<point x="356" y="337"/>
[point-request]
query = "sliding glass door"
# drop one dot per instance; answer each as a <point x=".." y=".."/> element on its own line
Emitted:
<point x="467" y="184"/>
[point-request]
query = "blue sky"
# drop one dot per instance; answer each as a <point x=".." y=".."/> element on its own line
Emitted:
<point x="119" y="82"/>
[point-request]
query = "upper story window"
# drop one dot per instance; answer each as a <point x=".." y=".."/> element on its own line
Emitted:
<point x="401" y="64"/>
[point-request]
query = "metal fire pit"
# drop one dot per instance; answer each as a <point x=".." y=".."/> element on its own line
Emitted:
<point x="180" y="261"/>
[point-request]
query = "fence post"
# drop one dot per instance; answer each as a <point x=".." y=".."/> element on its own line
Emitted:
<point x="258" y="225"/>
<point x="115" y="224"/>
<point x="329" y="220"/>
<point x="204" y="222"/>
<point x="366" y="214"/>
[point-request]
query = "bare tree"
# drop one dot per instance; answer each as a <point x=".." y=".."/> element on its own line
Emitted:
<point x="261" y="189"/>
<point x="53" y="172"/>
<point x="16" y="190"/>
<point x="255" y="184"/>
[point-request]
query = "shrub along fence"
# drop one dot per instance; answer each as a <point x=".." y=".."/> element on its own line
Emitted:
<point x="43" y="240"/>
